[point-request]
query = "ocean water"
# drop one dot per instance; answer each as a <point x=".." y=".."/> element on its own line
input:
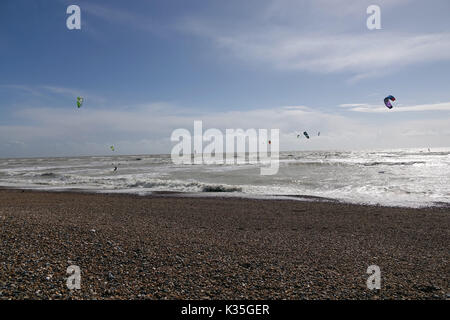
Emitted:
<point x="402" y="177"/>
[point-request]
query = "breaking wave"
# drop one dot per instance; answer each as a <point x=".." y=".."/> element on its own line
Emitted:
<point x="193" y="186"/>
<point x="221" y="188"/>
<point x="403" y="163"/>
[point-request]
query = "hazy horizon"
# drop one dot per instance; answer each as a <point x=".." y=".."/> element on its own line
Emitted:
<point x="118" y="154"/>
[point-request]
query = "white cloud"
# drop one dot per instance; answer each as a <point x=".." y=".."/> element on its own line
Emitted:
<point x="320" y="37"/>
<point x="362" y="55"/>
<point x="147" y="129"/>
<point x="290" y="9"/>
<point x="304" y="108"/>
<point x="351" y="105"/>
<point x="445" y="106"/>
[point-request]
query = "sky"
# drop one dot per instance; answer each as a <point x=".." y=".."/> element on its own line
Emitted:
<point x="146" y="68"/>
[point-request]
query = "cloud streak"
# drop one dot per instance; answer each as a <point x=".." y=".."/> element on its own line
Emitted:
<point x="362" y="55"/>
<point x="320" y="37"/>
<point x="368" y="108"/>
<point x="49" y="90"/>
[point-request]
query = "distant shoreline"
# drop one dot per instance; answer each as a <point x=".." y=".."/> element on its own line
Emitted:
<point x="170" y="247"/>
<point x="108" y="155"/>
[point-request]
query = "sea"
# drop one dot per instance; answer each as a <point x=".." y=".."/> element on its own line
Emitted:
<point x="400" y="177"/>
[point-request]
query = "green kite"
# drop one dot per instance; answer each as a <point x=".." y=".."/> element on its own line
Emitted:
<point x="79" y="102"/>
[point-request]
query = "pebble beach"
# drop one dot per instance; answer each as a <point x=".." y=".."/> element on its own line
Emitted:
<point x="175" y="247"/>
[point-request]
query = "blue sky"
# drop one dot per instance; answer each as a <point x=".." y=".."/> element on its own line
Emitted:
<point x="146" y="68"/>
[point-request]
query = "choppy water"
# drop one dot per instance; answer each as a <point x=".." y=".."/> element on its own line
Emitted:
<point x="407" y="177"/>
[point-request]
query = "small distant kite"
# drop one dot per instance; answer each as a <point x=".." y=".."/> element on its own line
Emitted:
<point x="116" y="166"/>
<point x="306" y="134"/>
<point x="387" y="101"/>
<point x="79" y="101"/>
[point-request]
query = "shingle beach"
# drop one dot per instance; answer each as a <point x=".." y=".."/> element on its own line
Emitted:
<point x="169" y="247"/>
